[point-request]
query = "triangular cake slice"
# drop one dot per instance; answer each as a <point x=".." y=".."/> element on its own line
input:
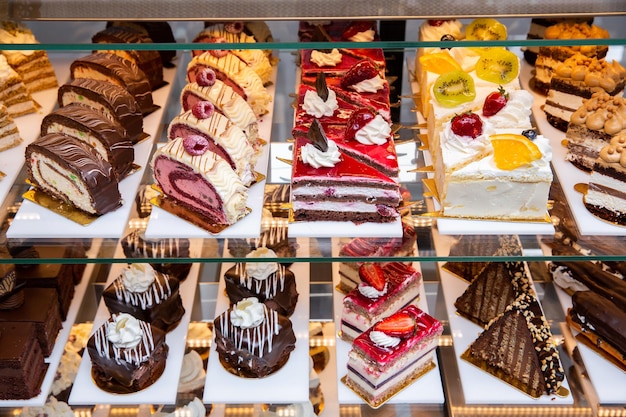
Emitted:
<point x="517" y="347"/>
<point x="488" y="295"/>
<point x="479" y="245"/>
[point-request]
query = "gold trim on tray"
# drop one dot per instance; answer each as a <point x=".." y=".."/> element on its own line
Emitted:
<point x="59" y="207"/>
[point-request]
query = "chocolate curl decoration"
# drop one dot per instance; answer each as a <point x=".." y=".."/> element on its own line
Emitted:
<point x="320" y="35"/>
<point x="317" y="136"/>
<point x="320" y="86"/>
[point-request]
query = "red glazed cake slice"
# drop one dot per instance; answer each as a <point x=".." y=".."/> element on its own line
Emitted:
<point x="392" y="354"/>
<point x="343" y="190"/>
<point x="384" y="289"/>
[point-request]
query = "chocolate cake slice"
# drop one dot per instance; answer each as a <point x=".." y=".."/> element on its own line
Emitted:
<point x="488" y="295"/>
<point x="85" y="123"/>
<point x="517" y="347"/>
<point x="21" y="361"/>
<point x="72" y="171"/>
<point x="117" y="70"/>
<point x="115" y="102"/>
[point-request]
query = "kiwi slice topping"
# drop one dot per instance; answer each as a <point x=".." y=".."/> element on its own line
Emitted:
<point x="454" y="88"/>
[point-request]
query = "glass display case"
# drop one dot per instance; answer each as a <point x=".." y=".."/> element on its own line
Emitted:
<point x="64" y="29"/>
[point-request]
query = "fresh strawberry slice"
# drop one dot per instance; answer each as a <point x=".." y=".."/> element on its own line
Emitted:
<point x="437" y="22"/>
<point x="358" y="119"/>
<point x="373" y="275"/>
<point x="400" y="324"/>
<point x="467" y="124"/>
<point x="356" y="27"/>
<point x="361" y="71"/>
<point x="495" y="102"/>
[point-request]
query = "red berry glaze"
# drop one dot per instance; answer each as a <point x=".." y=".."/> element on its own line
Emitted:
<point x="467" y="124"/>
<point x="203" y="109"/>
<point x="206" y="77"/>
<point x="400" y="324"/>
<point x="373" y="275"/>
<point x="357" y="27"/>
<point x="437" y="22"/>
<point x="495" y="102"/>
<point x="361" y="71"/>
<point x="195" y="145"/>
<point x="358" y="119"/>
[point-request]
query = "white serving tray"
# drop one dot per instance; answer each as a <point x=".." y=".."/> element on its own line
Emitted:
<point x="55" y="357"/>
<point x="35" y="221"/>
<point x="85" y="391"/>
<point x="163" y="224"/>
<point x="455" y="226"/>
<point x="290" y="384"/>
<point x="567" y="173"/>
<point x="427" y="389"/>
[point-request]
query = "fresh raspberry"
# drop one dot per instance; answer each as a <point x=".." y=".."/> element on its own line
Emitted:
<point x="195" y="145"/>
<point x="203" y="109"/>
<point x="206" y="77"/>
<point x="361" y="71"/>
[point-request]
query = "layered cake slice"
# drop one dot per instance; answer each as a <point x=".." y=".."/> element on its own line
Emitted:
<point x="517" y="347"/>
<point x="115" y="102"/>
<point x="13" y="92"/>
<point x="33" y="66"/>
<point x="384" y="289"/>
<point x="116" y="70"/>
<point x="607" y="183"/>
<point x="577" y="79"/>
<point x="127" y="354"/>
<point x="84" y="123"/>
<point x="497" y="286"/>
<point x="200" y="180"/>
<point x="252" y="340"/>
<point x="592" y="126"/>
<point x="329" y="185"/>
<point x="270" y="282"/>
<point x="391" y="354"/>
<point x="226" y="101"/>
<point x="72" y="171"/>
<point x="147" y="294"/>
<point x="21" y="361"/>
<point x="9" y="134"/>
<point x="223" y="137"/>
<point x="234" y="72"/>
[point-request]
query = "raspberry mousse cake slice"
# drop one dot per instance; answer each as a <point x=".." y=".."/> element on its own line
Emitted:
<point x="384" y="289"/>
<point x="329" y="185"/>
<point x="392" y="354"/>
<point x="199" y="180"/>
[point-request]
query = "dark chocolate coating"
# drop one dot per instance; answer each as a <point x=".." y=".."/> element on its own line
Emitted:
<point x="112" y="135"/>
<point x="121" y="105"/>
<point x="122" y="72"/>
<point x="82" y="161"/>
<point x="238" y="348"/>
<point x="606" y="319"/>
<point x="275" y="292"/>
<point x="160" y="305"/>
<point x="19" y="350"/>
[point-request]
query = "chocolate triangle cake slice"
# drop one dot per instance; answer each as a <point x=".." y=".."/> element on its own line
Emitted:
<point x="517" y="347"/>
<point x="497" y="286"/>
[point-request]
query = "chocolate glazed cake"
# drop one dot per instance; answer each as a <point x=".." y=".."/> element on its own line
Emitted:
<point x="84" y="123"/>
<point x="72" y="171"/>
<point x="516" y="347"/>
<point x="22" y="366"/>
<point x="115" y="102"/>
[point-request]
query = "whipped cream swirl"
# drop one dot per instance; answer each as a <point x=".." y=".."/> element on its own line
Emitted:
<point x="261" y="270"/>
<point x="326" y="59"/>
<point x="316" y="158"/>
<point x="316" y="107"/>
<point x="516" y="112"/>
<point x="138" y="277"/>
<point x="124" y="331"/>
<point x="383" y="339"/>
<point x="376" y="132"/>
<point x="370" y="85"/>
<point x="371" y="292"/>
<point x="365" y="36"/>
<point x="247" y="313"/>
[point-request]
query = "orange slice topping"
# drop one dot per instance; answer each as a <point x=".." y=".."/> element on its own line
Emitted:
<point x="511" y="151"/>
<point x="439" y="62"/>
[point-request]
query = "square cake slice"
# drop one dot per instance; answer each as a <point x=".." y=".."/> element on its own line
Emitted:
<point x="392" y="354"/>
<point x="21" y="361"/>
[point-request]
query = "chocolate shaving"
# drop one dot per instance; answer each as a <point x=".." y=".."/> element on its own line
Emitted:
<point x="317" y="136"/>
<point x="320" y="86"/>
<point x="320" y="35"/>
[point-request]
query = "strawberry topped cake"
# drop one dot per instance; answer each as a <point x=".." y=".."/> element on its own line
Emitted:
<point x="391" y="354"/>
<point x="384" y="289"/>
<point x="328" y="184"/>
